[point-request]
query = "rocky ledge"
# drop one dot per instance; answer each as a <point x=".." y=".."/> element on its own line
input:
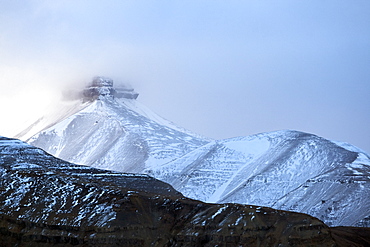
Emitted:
<point x="45" y="201"/>
<point x="100" y="86"/>
<point x="103" y="86"/>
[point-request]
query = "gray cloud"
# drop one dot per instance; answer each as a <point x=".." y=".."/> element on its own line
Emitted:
<point x="233" y="68"/>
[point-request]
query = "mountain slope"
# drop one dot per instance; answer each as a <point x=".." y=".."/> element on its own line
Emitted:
<point x="287" y="170"/>
<point x="109" y="134"/>
<point x="45" y="201"/>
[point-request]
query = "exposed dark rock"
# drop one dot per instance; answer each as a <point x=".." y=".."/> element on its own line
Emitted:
<point x="351" y="236"/>
<point x="103" y="86"/>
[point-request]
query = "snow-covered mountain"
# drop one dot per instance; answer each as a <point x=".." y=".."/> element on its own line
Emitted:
<point x="112" y="131"/>
<point x="287" y="170"/>
<point x="45" y="201"/>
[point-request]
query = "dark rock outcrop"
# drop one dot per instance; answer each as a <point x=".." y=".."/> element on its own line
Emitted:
<point x="351" y="236"/>
<point x="45" y="201"/>
<point x="104" y="86"/>
<point x="100" y="86"/>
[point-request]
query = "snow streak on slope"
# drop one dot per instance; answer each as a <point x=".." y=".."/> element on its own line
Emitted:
<point x="109" y="134"/>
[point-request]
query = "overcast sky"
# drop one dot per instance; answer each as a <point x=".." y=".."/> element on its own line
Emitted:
<point x="219" y="68"/>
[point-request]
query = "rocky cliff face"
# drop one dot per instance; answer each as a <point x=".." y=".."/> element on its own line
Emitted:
<point x="103" y="86"/>
<point x="45" y="201"/>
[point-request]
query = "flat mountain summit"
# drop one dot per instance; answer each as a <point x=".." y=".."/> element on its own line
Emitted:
<point x="287" y="170"/>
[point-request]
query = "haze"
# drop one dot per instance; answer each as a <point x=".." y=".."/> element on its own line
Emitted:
<point x="219" y="68"/>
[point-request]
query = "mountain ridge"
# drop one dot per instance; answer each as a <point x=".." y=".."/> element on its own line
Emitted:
<point x="263" y="169"/>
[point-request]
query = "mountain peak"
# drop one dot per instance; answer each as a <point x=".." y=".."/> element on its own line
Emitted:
<point x="101" y="86"/>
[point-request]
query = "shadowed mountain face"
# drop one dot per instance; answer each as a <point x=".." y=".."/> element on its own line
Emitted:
<point x="45" y="201"/>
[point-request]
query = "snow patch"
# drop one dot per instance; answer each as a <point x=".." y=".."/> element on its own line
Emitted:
<point x="255" y="147"/>
<point x="219" y="211"/>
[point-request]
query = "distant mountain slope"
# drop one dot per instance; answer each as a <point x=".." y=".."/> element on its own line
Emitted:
<point x="45" y="201"/>
<point x="287" y="170"/>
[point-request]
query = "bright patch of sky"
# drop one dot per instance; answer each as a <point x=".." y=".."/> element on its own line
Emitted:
<point x="219" y="68"/>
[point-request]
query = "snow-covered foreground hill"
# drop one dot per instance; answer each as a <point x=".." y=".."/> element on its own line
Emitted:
<point x="287" y="170"/>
